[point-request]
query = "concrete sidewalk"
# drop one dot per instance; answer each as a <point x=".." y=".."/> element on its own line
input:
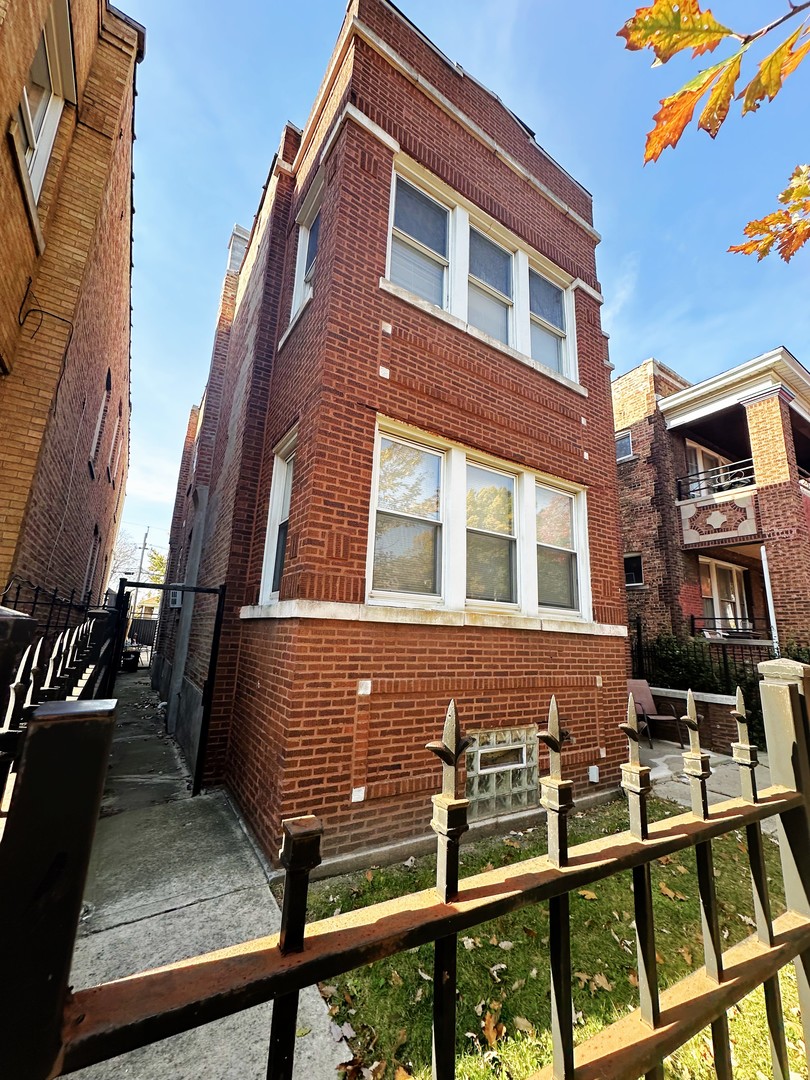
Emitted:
<point x="670" y="782"/>
<point x="171" y="877"/>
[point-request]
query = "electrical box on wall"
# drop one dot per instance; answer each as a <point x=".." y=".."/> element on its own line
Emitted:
<point x="175" y="598"/>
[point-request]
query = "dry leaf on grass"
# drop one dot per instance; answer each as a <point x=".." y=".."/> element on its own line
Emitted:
<point x="369" y="875"/>
<point x="583" y="978"/>
<point x="492" y="1029"/>
<point x="505" y="945"/>
<point x="401" y="1074"/>
<point x="424" y="975"/>
<point x="586" y="894"/>
<point x="632" y="978"/>
<point x="601" y="982"/>
<point x="402" y="1038"/>
<point x="669" y="893"/>
<point x="495" y="969"/>
<point x="524" y="1025"/>
<point x="396" y="978"/>
<point x="686" y="954"/>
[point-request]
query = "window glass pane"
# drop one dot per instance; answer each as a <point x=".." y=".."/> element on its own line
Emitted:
<point x="312" y="243"/>
<point x="417" y="272"/>
<point x="406" y="555"/>
<point x="288" y="475"/>
<point x="410" y="480"/>
<point x="555" y="518"/>
<point x="624" y="446"/>
<point x="38" y="87"/>
<point x="488" y="314"/>
<point x="421" y="218"/>
<point x="546" y="347"/>
<point x="490" y="263"/>
<point x="27" y="145"/>
<point x="725" y="583"/>
<point x="281" y="550"/>
<point x="490" y="568"/>
<point x="556" y="578"/>
<point x="705" y="580"/>
<point x="632" y="570"/>
<point x="490" y="500"/>
<point x="546" y="300"/>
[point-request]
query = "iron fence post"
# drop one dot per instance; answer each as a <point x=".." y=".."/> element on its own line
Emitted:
<point x="45" y="854"/>
<point x="208" y="694"/>
<point x="784" y="693"/>
<point x="300" y="854"/>
<point x="449" y="822"/>
<point x="557" y="796"/>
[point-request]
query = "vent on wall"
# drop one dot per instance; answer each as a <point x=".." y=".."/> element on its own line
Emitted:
<point x="175" y="598"/>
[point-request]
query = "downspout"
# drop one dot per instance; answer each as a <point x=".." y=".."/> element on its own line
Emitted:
<point x="769" y="595"/>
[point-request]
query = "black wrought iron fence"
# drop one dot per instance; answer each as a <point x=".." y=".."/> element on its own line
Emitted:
<point x="45" y="1030"/>
<point x="54" y="611"/>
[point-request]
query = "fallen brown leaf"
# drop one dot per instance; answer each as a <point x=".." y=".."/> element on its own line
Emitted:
<point x="492" y="1030"/>
<point x="586" y="894"/>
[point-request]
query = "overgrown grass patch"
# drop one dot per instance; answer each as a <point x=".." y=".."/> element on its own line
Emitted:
<point x="503" y="985"/>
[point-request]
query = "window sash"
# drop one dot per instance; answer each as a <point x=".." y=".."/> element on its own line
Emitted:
<point x="419" y="271"/>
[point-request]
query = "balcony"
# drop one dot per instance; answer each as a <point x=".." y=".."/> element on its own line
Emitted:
<point x="718" y="506"/>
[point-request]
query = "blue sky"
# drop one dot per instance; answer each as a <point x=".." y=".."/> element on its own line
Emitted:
<point x="214" y="93"/>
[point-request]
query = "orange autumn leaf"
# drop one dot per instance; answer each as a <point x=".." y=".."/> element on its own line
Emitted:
<point x="772" y="71"/>
<point x="677" y="111"/>
<point x="492" y="1030"/>
<point x="668" y="26"/>
<point x="716" y="109"/>
<point x="783" y="230"/>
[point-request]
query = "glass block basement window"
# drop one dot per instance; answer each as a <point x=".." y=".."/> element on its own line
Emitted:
<point x="502" y="772"/>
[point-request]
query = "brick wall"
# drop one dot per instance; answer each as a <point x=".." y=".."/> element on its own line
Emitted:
<point x="60" y="517"/>
<point x="286" y="705"/>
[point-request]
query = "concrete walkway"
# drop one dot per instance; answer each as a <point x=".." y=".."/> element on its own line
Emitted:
<point x="670" y="782"/>
<point x="172" y="877"/>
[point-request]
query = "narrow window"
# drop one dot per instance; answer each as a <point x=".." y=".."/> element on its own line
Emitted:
<point x="309" y="235"/>
<point x="557" y="578"/>
<point x="633" y="574"/>
<point x="408" y="531"/>
<point x="547" y="322"/>
<point x="491" y="539"/>
<point x="419" y="244"/>
<point x="502" y="772"/>
<point x="624" y="446"/>
<point x="284" y="522"/>
<point x="98" y="433"/>
<point x="490" y="291"/>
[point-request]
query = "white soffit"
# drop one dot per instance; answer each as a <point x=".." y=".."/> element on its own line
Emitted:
<point x="772" y="369"/>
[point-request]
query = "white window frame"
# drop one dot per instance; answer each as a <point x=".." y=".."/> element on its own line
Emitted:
<point x="620" y="435"/>
<point x="284" y="452"/>
<point x="57" y="37"/>
<point x="741" y="614"/>
<point x="453" y="576"/>
<point x="465" y="216"/>
<point x="701" y="454"/>
<point x="303" y="287"/>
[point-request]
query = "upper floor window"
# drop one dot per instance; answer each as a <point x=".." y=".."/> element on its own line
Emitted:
<point x="624" y="446"/>
<point x="459" y="260"/>
<point x="419" y="243"/>
<point x="278" y="518"/>
<point x="633" y="570"/>
<point x="50" y="82"/>
<point x="309" y="234"/>
<point x="449" y="528"/>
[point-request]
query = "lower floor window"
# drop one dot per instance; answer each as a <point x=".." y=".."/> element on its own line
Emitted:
<point x="722" y="590"/>
<point x="502" y="771"/>
<point x="456" y="529"/>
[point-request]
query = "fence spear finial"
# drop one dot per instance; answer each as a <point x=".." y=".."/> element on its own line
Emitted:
<point x="449" y="749"/>
<point x="630" y="729"/>
<point x="744" y="753"/>
<point x="635" y="776"/>
<point x="696" y="761"/>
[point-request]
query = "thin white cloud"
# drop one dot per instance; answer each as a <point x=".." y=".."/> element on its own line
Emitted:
<point x="621" y="289"/>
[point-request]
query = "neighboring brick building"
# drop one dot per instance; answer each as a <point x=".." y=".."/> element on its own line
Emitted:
<point x="715" y="499"/>
<point x="412" y="488"/>
<point x="67" y="74"/>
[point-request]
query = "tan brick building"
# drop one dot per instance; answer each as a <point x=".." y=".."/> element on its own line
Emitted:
<point x="412" y="489"/>
<point x="715" y="499"/>
<point x="67" y="75"/>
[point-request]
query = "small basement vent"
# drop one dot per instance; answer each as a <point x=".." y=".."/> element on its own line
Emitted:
<point x="502" y="771"/>
<point x="175" y="598"/>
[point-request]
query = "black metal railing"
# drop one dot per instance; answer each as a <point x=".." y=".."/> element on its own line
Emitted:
<point x="699" y="485"/>
<point x="53" y="609"/>
<point x="705" y="666"/>
<point x="48" y="1030"/>
<point x="734" y="629"/>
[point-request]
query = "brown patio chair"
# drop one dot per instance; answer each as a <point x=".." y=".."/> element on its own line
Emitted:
<point x="646" y="709"/>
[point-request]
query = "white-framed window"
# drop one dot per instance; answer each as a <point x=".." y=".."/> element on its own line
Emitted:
<point x="278" y="518"/>
<point x="451" y="255"/>
<point x="50" y="82"/>
<point x="624" y="445"/>
<point x="706" y="472"/>
<point x="502" y="771"/>
<point x="722" y="588"/>
<point x="101" y="420"/>
<point x="452" y="528"/>
<point x="309" y="232"/>
<point x="633" y="570"/>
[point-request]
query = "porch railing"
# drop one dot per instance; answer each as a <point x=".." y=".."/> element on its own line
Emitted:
<point x="699" y="485"/>
<point x="53" y="610"/>
<point x="758" y="629"/>
<point x="47" y="1031"/>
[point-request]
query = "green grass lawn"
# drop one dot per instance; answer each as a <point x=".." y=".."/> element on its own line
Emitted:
<point x="503" y="987"/>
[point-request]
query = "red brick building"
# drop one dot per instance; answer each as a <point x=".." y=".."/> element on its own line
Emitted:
<point x="715" y="499"/>
<point x="411" y="493"/>
<point x="67" y="74"/>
